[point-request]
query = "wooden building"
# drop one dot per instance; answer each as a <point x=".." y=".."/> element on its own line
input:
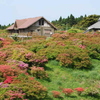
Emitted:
<point x="32" y="26"/>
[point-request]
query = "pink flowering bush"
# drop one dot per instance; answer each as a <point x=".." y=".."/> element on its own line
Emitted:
<point x="22" y="65"/>
<point x="39" y="72"/>
<point x="39" y="60"/>
<point x="1" y="39"/>
<point x="19" y="64"/>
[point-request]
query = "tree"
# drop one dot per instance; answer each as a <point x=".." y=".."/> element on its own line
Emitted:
<point x="87" y="21"/>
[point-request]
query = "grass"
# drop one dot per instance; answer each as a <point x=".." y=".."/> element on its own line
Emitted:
<point x="61" y="77"/>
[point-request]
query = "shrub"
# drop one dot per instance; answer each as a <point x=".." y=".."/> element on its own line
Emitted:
<point x="77" y="59"/>
<point x="79" y="90"/>
<point x="67" y="91"/>
<point x="59" y="36"/>
<point x="92" y="91"/>
<point x="56" y="94"/>
<point x="33" y="89"/>
<point x="9" y="79"/>
<point x="3" y="57"/>
<point x="74" y="31"/>
<point x="21" y="54"/>
<point x="23" y="87"/>
<point x="12" y="95"/>
<point x="39" y="72"/>
<point x="39" y="60"/>
<point x="8" y="70"/>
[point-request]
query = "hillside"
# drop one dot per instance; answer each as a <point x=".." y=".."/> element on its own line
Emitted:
<point x="62" y="67"/>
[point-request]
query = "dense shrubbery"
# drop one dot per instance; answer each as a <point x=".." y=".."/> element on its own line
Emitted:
<point x="23" y="63"/>
<point x="75" y="58"/>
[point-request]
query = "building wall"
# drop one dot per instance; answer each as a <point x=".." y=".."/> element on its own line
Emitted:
<point x="43" y="30"/>
<point x="45" y="24"/>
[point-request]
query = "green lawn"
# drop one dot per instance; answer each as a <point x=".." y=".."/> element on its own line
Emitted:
<point x="61" y="77"/>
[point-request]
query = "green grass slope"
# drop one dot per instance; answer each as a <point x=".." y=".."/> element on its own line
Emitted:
<point x="61" y="77"/>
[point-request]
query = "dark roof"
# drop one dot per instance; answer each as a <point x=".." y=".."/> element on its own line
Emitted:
<point x="25" y="23"/>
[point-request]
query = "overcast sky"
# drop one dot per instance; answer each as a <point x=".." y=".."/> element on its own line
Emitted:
<point x="50" y="9"/>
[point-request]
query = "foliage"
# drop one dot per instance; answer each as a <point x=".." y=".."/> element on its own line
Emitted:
<point x="24" y="90"/>
<point x="39" y="72"/>
<point x="79" y="90"/>
<point x="87" y="21"/>
<point x="56" y="94"/>
<point x="81" y="22"/>
<point x="12" y="95"/>
<point x="72" y="30"/>
<point x="3" y="57"/>
<point x="22" y="67"/>
<point x="67" y="91"/>
<point x="76" y="59"/>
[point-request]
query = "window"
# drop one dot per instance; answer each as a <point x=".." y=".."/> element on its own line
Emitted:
<point x="41" y="22"/>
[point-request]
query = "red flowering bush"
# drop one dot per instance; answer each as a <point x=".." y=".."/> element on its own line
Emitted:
<point x="56" y="94"/>
<point x="79" y="90"/>
<point x="67" y="91"/>
<point x="39" y="72"/>
<point x="8" y="70"/>
<point x="9" y="79"/>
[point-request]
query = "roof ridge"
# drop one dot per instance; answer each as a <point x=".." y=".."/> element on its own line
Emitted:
<point x="30" y="18"/>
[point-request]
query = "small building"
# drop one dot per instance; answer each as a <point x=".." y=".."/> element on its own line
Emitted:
<point x="32" y="26"/>
<point x="95" y="26"/>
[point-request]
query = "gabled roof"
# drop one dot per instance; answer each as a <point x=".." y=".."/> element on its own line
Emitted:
<point x="95" y="25"/>
<point x="25" y="23"/>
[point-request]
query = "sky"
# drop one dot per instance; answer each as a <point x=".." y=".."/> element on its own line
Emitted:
<point x="50" y="9"/>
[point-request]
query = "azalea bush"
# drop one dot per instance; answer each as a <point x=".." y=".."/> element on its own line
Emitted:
<point x="3" y="57"/>
<point x="12" y="95"/>
<point x="59" y="36"/>
<point x="9" y="72"/>
<point x="67" y="91"/>
<point x="75" y="58"/>
<point x="39" y="60"/>
<point x="22" y="89"/>
<point x="39" y="72"/>
<point x="1" y="42"/>
<point x="79" y="90"/>
<point x="56" y="94"/>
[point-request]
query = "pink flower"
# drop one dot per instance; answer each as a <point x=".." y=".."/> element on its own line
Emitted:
<point x="82" y="46"/>
<point x="1" y="39"/>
